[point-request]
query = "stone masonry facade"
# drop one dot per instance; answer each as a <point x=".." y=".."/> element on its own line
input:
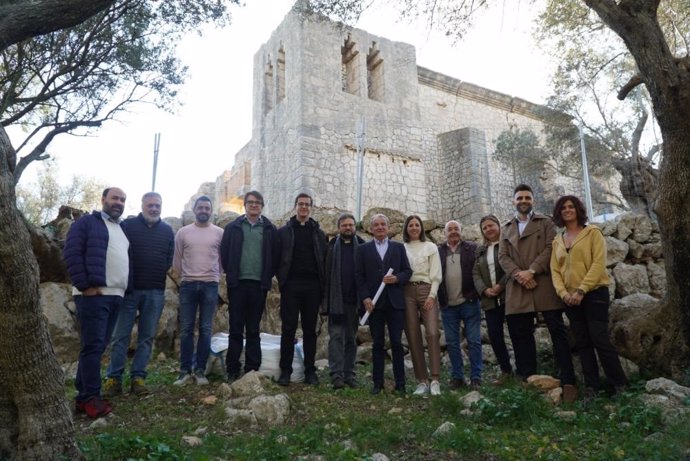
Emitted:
<point x="326" y="94"/>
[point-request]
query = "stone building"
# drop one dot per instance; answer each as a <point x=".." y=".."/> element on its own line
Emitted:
<point x="333" y="104"/>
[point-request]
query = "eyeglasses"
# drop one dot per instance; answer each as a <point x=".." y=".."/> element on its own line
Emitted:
<point x="252" y="202"/>
<point x="303" y="204"/>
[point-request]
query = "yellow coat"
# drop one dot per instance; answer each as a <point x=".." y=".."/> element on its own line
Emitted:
<point x="583" y="267"/>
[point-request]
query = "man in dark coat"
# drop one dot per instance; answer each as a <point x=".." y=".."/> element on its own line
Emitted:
<point x="374" y="261"/>
<point x="152" y="246"/>
<point x="97" y="258"/>
<point x="340" y="303"/>
<point x="248" y="252"/>
<point x="301" y="276"/>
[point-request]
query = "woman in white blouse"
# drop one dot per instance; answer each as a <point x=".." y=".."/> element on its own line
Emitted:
<point x="420" y="303"/>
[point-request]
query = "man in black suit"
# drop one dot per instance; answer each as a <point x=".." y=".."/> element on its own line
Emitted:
<point x="373" y="260"/>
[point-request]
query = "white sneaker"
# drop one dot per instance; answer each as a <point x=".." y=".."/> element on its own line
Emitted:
<point x="422" y="389"/>
<point x="200" y="378"/>
<point x="435" y="388"/>
<point x="183" y="379"/>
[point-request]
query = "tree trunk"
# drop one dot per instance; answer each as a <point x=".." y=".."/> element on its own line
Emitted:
<point x="668" y="83"/>
<point x="639" y="184"/>
<point x="35" y="420"/>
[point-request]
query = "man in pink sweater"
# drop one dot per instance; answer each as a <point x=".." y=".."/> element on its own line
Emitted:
<point x="197" y="262"/>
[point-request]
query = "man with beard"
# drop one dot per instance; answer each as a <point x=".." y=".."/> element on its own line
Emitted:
<point x="197" y="262"/>
<point x="152" y="245"/>
<point x="340" y="303"/>
<point x="97" y="258"/>
<point x="525" y="255"/>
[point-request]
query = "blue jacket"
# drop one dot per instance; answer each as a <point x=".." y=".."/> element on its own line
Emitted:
<point x="85" y="252"/>
<point x="151" y="250"/>
<point x="369" y="271"/>
<point x="231" y="252"/>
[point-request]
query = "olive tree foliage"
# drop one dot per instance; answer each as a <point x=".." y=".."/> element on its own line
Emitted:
<point x="53" y="84"/>
<point x="658" y="339"/>
<point x="41" y="199"/>
<point x="593" y="65"/>
<point x="73" y="80"/>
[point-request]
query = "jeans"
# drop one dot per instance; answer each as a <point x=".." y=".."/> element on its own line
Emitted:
<point x="468" y="312"/>
<point x="149" y="305"/>
<point x="495" y="319"/>
<point x="97" y="316"/>
<point x="201" y="296"/>
<point x="589" y="323"/>
<point x="247" y="303"/>
<point x="384" y="315"/>
<point x="342" y="343"/>
<point x="299" y="299"/>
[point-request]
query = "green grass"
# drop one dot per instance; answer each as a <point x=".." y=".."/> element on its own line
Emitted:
<point x="512" y="423"/>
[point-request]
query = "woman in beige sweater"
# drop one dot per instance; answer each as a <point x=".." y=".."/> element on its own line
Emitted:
<point x="578" y="271"/>
<point x="420" y="302"/>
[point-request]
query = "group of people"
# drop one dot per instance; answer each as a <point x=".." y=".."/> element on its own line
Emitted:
<point x="119" y="267"/>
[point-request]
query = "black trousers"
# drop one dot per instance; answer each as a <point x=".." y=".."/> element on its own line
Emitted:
<point x="521" y="329"/>
<point x="590" y="324"/>
<point x="299" y="299"/>
<point x="247" y="303"/>
<point x="495" y="318"/>
<point x="386" y="315"/>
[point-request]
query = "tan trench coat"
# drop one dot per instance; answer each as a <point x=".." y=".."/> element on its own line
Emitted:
<point x="532" y="250"/>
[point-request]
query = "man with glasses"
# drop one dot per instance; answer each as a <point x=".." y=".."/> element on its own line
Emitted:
<point x="301" y="277"/>
<point x="249" y="253"/>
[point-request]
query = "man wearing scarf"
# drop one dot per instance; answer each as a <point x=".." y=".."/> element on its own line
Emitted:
<point x="341" y="303"/>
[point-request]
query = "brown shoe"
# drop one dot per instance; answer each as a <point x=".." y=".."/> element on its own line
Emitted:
<point x="501" y="380"/>
<point x="569" y="393"/>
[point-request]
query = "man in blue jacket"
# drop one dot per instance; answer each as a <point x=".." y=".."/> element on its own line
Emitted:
<point x="372" y="263"/>
<point x="152" y="246"/>
<point x="97" y="260"/>
<point x="248" y="252"/>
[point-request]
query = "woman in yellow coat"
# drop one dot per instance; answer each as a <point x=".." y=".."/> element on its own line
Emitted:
<point x="578" y="271"/>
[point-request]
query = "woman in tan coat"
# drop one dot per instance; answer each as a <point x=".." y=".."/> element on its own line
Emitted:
<point x="578" y="271"/>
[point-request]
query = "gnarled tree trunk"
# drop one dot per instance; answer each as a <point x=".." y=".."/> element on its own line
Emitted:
<point x="668" y="83"/>
<point x="35" y="421"/>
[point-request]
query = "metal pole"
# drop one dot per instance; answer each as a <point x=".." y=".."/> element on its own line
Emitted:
<point x="156" y="145"/>
<point x="360" y="167"/>
<point x="585" y="174"/>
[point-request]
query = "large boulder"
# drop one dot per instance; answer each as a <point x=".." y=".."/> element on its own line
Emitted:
<point x="270" y="410"/>
<point x="635" y="250"/>
<point x="631" y="279"/>
<point x="633" y="323"/>
<point x="625" y="226"/>
<point x="657" y="279"/>
<point x="652" y="250"/>
<point x="59" y="312"/>
<point x="643" y="229"/>
<point x="616" y="251"/>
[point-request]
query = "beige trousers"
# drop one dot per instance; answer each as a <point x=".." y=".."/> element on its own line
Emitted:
<point x="416" y="294"/>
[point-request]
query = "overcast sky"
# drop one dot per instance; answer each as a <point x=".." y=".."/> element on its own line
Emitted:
<point x="199" y="142"/>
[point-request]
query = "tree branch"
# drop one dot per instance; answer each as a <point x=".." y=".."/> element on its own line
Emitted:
<point x="20" y="20"/>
